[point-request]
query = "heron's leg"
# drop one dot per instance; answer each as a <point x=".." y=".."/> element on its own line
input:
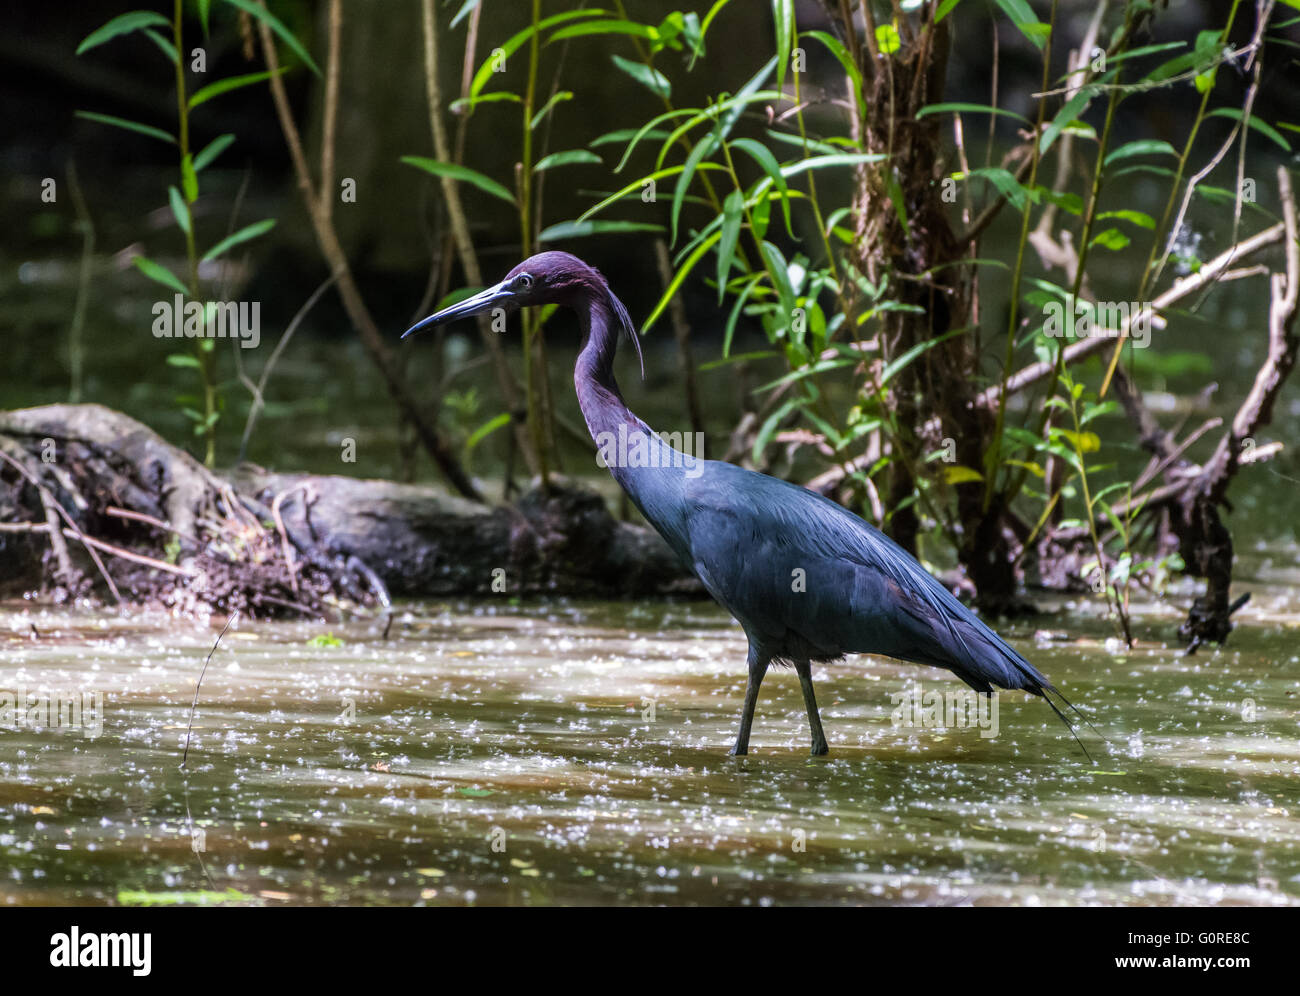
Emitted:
<point x="757" y="668"/>
<point x="810" y="700"/>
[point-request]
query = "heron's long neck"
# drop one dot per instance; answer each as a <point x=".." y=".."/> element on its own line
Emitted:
<point x="651" y="472"/>
<point x="602" y="405"/>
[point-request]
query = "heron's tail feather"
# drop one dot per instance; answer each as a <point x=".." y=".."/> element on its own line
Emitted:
<point x="984" y="661"/>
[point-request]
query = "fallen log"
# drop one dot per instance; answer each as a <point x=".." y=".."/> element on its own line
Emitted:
<point x="93" y="502"/>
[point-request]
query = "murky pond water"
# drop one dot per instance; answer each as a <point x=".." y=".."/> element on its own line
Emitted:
<point x="577" y="753"/>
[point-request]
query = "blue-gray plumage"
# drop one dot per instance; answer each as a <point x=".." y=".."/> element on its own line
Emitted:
<point x="808" y="580"/>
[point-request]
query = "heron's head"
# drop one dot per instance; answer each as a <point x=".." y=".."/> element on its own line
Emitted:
<point x="546" y="278"/>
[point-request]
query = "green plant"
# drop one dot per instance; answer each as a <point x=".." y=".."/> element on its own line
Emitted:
<point x="167" y="35"/>
<point x="848" y="291"/>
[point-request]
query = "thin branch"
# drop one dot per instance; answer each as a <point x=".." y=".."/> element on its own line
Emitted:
<point x="199" y="684"/>
<point x="327" y="238"/>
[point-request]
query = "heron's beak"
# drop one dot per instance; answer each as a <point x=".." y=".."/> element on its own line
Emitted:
<point x="485" y="300"/>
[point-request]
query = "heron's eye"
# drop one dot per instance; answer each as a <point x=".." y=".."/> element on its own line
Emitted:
<point x="525" y="281"/>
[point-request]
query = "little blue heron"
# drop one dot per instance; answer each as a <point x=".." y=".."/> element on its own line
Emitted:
<point x="808" y="580"/>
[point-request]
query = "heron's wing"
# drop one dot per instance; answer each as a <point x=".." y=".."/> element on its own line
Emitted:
<point x="798" y="569"/>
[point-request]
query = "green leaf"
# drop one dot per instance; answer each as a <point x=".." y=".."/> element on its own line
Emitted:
<point x="180" y="210"/>
<point x="204" y="11"/>
<point x="213" y="149"/>
<point x="659" y="174"/>
<point x="732" y="212"/>
<point x="778" y="271"/>
<point x="485" y="430"/>
<point x="182" y="360"/>
<point x="1111" y="238"/>
<point x="1072" y="109"/>
<point x="649" y="129"/>
<point x="1139" y="218"/>
<point x="1022" y="16"/>
<point x="456" y="172"/>
<point x="1084" y="442"/>
<point x="845" y="58"/>
<point x="1063" y="199"/>
<point x="557" y="98"/>
<point x="675" y="284"/>
<point x="566" y="159"/>
<point x="243" y="235"/>
<point x="622" y="135"/>
<point x="135" y="126"/>
<point x="703" y="148"/>
<point x="714" y="113"/>
<point x="610" y="26"/>
<point x="762" y="155"/>
<point x="969" y="108"/>
<point x="704" y="30"/>
<point x="512" y="44"/>
<point x="277" y="26"/>
<point x="887" y="40"/>
<point x="769" y="427"/>
<point x="647" y="76"/>
<point x="901" y="362"/>
<point x="157" y="272"/>
<point x="1005" y="182"/>
<point x="783" y="16"/>
<point x="751" y="283"/>
<point x="205" y="897"/>
<point x="957" y="474"/>
<point x="469" y="103"/>
<point x="1263" y="127"/>
<point x="1142" y="147"/>
<point x="581" y="229"/>
<point x="821" y="162"/>
<point x="123" y="24"/>
<point x="230" y="83"/>
<point x="945" y="9"/>
<point x="164" y="45"/>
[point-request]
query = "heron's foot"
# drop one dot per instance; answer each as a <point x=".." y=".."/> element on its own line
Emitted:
<point x="819" y="748"/>
<point x="740" y="750"/>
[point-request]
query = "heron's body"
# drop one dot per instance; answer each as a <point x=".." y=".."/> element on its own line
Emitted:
<point x="808" y="580"/>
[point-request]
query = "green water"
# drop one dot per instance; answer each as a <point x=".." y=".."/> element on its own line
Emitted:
<point x="577" y="753"/>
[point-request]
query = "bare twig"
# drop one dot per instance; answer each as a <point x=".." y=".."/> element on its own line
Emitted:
<point x="1075" y="352"/>
<point x="199" y="684"/>
<point x="331" y="116"/>
<point x="259" y="388"/>
<point x="469" y="262"/>
<point x="137" y="558"/>
<point x="48" y="500"/>
<point x="362" y="321"/>
<point x="289" y="560"/>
